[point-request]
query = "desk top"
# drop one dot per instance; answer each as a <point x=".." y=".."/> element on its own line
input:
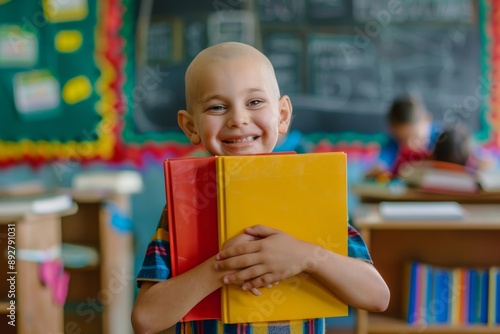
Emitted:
<point x="377" y="193"/>
<point x="8" y="219"/>
<point x="478" y="217"/>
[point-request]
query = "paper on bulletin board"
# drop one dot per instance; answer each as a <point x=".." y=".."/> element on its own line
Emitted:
<point x="36" y="94"/>
<point x="64" y="11"/>
<point x="18" y="47"/>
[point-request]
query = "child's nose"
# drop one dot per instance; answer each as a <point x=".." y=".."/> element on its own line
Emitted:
<point x="237" y="117"/>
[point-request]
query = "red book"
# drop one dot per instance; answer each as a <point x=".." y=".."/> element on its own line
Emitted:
<point x="191" y="191"/>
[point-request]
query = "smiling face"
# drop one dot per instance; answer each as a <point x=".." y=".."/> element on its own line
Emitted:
<point x="234" y="104"/>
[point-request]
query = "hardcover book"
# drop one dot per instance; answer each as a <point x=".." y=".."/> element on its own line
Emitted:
<point x="303" y="195"/>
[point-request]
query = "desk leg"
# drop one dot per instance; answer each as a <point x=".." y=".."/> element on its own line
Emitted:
<point x="38" y="311"/>
<point x="117" y="271"/>
<point x="361" y="322"/>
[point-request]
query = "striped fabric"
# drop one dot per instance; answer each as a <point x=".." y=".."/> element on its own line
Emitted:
<point x="156" y="267"/>
<point x="312" y="326"/>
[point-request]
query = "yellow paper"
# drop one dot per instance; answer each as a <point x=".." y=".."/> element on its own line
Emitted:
<point x="67" y="41"/>
<point x="304" y="195"/>
<point x="77" y="89"/>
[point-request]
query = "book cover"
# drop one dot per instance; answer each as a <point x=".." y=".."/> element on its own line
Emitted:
<point x="305" y="196"/>
<point x="191" y="192"/>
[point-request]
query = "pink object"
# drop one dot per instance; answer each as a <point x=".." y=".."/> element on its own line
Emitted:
<point x="53" y="276"/>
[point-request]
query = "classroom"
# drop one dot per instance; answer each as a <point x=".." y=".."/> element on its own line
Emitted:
<point x="192" y="166"/>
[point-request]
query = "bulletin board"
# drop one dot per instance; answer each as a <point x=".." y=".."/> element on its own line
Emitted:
<point x="61" y="77"/>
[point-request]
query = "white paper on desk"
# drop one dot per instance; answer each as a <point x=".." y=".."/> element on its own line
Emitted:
<point x="421" y="211"/>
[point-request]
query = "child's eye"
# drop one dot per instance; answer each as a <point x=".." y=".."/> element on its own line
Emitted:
<point x="217" y="108"/>
<point x="254" y="103"/>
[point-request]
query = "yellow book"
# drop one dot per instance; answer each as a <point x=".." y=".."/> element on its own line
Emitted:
<point x="303" y="195"/>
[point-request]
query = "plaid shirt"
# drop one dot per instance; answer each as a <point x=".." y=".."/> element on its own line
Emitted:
<point x="157" y="267"/>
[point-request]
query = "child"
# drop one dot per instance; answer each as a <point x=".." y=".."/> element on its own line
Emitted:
<point x="233" y="108"/>
<point x="412" y="136"/>
<point x="454" y="146"/>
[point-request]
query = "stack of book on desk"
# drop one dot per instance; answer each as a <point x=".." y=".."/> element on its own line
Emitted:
<point x="210" y="200"/>
<point x="442" y="177"/>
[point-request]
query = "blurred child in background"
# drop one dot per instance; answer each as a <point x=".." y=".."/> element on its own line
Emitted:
<point x="413" y="135"/>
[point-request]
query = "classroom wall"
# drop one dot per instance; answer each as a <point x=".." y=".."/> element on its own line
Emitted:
<point x="360" y="142"/>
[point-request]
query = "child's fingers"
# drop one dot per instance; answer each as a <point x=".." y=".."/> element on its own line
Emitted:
<point x="238" y="262"/>
<point x="255" y="292"/>
<point x="247" y="274"/>
<point x="269" y="286"/>
<point x="258" y="282"/>
<point x="261" y="231"/>
<point x="246" y="248"/>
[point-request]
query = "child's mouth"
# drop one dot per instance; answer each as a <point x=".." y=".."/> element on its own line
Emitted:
<point x="240" y="140"/>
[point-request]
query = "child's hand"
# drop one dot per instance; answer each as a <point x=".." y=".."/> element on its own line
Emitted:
<point x="238" y="240"/>
<point x="273" y="256"/>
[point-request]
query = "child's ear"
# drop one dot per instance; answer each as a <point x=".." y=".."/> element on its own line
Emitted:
<point x="285" y="106"/>
<point x="186" y="123"/>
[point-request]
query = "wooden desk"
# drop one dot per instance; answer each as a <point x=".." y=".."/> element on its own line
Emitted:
<point x="100" y="298"/>
<point x="376" y="194"/>
<point x="36" y="310"/>
<point x="473" y="242"/>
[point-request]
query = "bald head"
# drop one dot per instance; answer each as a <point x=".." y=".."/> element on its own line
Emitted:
<point x="226" y="52"/>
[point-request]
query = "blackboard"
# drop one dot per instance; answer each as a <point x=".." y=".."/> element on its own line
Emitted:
<point x="343" y="62"/>
<point x="439" y="66"/>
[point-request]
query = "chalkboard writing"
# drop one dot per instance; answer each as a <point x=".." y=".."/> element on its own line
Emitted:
<point x="324" y="11"/>
<point x="281" y="11"/>
<point x="160" y="42"/>
<point x="195" y="37"/>
<point x="398" y="11"/>
<point x="340" y="76"/>
<point x="284" y="50"/>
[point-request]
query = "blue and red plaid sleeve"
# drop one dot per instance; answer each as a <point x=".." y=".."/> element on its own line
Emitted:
<point x="156" y="265"/>
<point x="356" y="247"/>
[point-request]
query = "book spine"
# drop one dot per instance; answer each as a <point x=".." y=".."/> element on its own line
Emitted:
<point x="411" y="274"/>
<point x="474" y="306"/>
<point x="170" y="217"/>
<point x="221" y="213"/>
<point x="484" y="296"/>
<point x="494" y="309"/>
<point x="491" y="298"/>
